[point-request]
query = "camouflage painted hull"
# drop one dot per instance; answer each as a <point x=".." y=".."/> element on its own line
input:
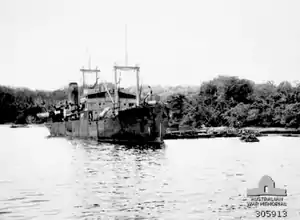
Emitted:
<point x="143" y="125"/>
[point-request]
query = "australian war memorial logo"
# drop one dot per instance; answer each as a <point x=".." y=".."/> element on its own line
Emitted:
<point x="266" y="194"/>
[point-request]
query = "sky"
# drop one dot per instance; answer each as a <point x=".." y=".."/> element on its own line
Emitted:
<point x="43" y="44"/>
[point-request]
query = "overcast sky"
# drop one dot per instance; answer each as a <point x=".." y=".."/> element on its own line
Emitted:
<point x="43" y="44"/>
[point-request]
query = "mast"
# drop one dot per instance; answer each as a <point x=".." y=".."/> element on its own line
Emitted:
<point x="88" y="71"/>
<point x="126" y="67"/>
<point x="126" y="53"/>
<point x="116" y="92"/>
<point x="90" y="62"/>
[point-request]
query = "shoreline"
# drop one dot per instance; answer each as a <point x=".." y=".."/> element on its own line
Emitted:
<point x="274" y="130"/>
<point x="215" y="132"/>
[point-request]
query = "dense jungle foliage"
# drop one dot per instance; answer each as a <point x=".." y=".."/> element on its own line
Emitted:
<point x="223" y="101"/>
<point x="17" y="103"/>
<point x="234" y="102"/>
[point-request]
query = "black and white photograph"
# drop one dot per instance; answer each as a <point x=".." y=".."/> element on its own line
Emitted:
<point x="149" y="110"/>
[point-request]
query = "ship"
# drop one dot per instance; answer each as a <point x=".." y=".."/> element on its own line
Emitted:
<point x="110" y="115"/>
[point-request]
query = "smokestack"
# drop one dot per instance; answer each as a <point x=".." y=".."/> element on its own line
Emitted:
<point x="73" y="93"/>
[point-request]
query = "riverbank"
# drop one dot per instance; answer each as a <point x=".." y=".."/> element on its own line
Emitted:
<point x="214" y="132"/>
<point x="274" y="130"/>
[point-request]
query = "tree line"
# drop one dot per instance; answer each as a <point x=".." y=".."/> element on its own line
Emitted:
<point x="17" y="103"/>
<point x="234" y="102"/>
<point x="222" y="101"/>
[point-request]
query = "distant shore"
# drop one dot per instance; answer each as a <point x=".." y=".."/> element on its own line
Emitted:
<point x="263" y="130"/>
<point x="273" y="130"/>
<point x="222" y="129"/>
<point x="213" y="132"/>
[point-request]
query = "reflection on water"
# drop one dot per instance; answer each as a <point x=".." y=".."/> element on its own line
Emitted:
<point x="187" y="179"/>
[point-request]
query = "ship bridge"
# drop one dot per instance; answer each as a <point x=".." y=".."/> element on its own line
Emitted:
<point x="97" y="102"/>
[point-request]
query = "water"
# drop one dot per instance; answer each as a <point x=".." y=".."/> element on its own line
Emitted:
<point x="205" y="179"/>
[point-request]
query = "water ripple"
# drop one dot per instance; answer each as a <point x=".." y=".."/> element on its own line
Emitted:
<point x="187" y="179"/>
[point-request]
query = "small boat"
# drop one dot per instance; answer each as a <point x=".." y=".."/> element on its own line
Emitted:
<point x="19" y="126"/>
<point x="249" y="138"/>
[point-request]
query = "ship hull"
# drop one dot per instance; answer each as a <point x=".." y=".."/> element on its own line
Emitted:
<point x="143" y="125"/>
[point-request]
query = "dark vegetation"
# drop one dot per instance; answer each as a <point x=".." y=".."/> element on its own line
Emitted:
<point x="234" y="102"/>
<point x="223" y="101"/>
<point x="16" y="104"/>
